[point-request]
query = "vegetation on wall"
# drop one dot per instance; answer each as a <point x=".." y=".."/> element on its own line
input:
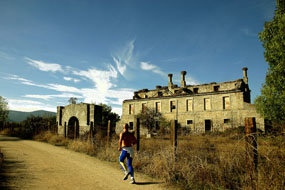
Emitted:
<point x="153" y="121"/>
<point x="271" y="103"/>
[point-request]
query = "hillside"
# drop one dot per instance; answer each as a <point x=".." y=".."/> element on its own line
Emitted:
<point x="18" y="116"/>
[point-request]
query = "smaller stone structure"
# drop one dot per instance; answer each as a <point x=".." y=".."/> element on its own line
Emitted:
<point x="76" y="119"/>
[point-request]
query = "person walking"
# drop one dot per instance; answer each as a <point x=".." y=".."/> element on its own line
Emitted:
<point x="126" y="141"/>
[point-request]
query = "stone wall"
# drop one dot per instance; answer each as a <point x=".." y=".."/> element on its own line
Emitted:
<point x="223" y="105"/>
<point x="86" y="114"/>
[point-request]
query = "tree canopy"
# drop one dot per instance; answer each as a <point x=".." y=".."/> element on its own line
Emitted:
<point x="107" y="114"/>
<point x="72" y="100"/>
<point x="153" y="121"/>
<point x="3" y="109"/>
<point x="271" y="103"/>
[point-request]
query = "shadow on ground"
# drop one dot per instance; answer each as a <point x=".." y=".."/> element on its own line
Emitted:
<point x="9" y="138"/>
<point x="148" y="183"/>
<point x="11" y="171"/>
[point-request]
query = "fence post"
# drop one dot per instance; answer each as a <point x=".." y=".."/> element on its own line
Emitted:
<point x="251" y="151"/>
<point x="108" y="133"/>
<point x="174" y="126"/>
<point x="49" y="127"/>
<point x="137" y="132"/>
<point x="64" y="129"/>
<point x="91" y="133"/>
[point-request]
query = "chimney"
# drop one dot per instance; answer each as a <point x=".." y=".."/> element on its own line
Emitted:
<point x="183" y="82"/>
<point x="245" y="79"/>
<point x="170" y="80"/>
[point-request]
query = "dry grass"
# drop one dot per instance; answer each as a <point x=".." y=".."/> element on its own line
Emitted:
<point x="202" y="162"/>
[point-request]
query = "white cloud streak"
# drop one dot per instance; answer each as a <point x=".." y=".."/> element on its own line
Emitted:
<point x="4" y="55"/>
<point x="125" y="58"/>
<point x="248" y="32"/>
<point x="150" y="67"/>
<point x="100" y="78"/>
<point x="71" y="79"/>
<point x="48" y="97"/>
<point x="28" y="105"/>
<point x="100" y="94"/>
<point x="56" y="87"/>
<point x="43" y="66"/>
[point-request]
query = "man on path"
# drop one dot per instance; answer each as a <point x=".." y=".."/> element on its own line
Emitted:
<point x="127" y="140"/>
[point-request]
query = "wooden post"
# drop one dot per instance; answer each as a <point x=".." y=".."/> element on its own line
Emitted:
<point x="91" y="133"/>
<point x="137" y="133"/>
<point x="74" y="137"/>
<point x="108" y="133"/>
<point x="174" y="127"/>
<point x="251" y="151"/>
<point x="49" y="127"/>
<point x="64" y="129"/>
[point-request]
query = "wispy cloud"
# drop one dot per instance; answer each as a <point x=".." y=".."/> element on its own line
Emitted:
<point x="43" y="66"/>
<point x="100" y="78"/>
<point x="51" y="86"/>
<point x="102" y="91"/>
<point x="150" y="67"/>
<point x="48" y="97"/>
<point x="248" y="32"/>
<point x="71" y="79"/>
<point x="125" y="57"/>
<point x="189" y="80"/>
<point x="6" y="56"/>
<point x="121" y="68"/>
<point x="29" y="105"/>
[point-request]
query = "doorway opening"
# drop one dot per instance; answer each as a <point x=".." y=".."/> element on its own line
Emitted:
<point x="208" y="125"/>
<point x="73" y="128"/>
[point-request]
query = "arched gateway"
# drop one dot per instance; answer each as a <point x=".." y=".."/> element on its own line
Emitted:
<point x="76" y="119"/>
<point x="73" y="128"/>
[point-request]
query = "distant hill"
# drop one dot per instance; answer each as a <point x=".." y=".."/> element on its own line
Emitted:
<point x="18" y="116"/>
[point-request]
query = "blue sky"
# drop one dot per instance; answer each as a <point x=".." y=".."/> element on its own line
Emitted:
<point x="102" y="51"/>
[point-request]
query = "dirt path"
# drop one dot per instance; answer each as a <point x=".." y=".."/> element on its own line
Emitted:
<point x="36" y="165"/>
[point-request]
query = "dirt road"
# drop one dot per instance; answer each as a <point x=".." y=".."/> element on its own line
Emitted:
<point x="36" y="165"/>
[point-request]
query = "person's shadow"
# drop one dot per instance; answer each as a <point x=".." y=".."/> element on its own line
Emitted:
<point x="147" y="183"/>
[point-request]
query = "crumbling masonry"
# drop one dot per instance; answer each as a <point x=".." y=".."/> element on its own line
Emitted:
<point x="200" y="108"/>
<point x="76" y="119"/>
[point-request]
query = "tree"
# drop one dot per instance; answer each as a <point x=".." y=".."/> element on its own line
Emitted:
<point x="107" y="114"/>
<point x="153" y="121"/>
<point x="271" y="103"/>
<point x="3" y="110"/>
<point x="72" y="100"/>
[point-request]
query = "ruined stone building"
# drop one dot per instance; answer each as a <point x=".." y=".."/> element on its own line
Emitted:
<point x="76" y="119"/>
<point x="204" y="107"/>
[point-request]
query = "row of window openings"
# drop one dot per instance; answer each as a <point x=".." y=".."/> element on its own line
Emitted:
<point x="189" y="103"/>
<point x="189" y="122"/>
<point x="195" y="90"/>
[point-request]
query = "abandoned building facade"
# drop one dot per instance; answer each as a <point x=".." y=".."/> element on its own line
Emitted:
<point x="76" y="119"/>
<point x="201" y="108"/>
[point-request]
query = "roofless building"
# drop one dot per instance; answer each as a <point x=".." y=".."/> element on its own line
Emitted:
<point x="205" y="107"/>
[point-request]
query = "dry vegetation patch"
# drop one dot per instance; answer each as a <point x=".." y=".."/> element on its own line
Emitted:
<point x="215" y="161"/>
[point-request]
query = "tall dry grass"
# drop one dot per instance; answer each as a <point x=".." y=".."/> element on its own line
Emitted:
<point x="215" y="161"/>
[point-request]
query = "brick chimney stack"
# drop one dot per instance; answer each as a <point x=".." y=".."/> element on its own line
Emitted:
<point x="183" y="82"/>
<point x="245" y="79"/>
<point x="170" y="81"/>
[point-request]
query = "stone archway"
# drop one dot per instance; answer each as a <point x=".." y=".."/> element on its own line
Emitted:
<point x="73" y="128"/>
